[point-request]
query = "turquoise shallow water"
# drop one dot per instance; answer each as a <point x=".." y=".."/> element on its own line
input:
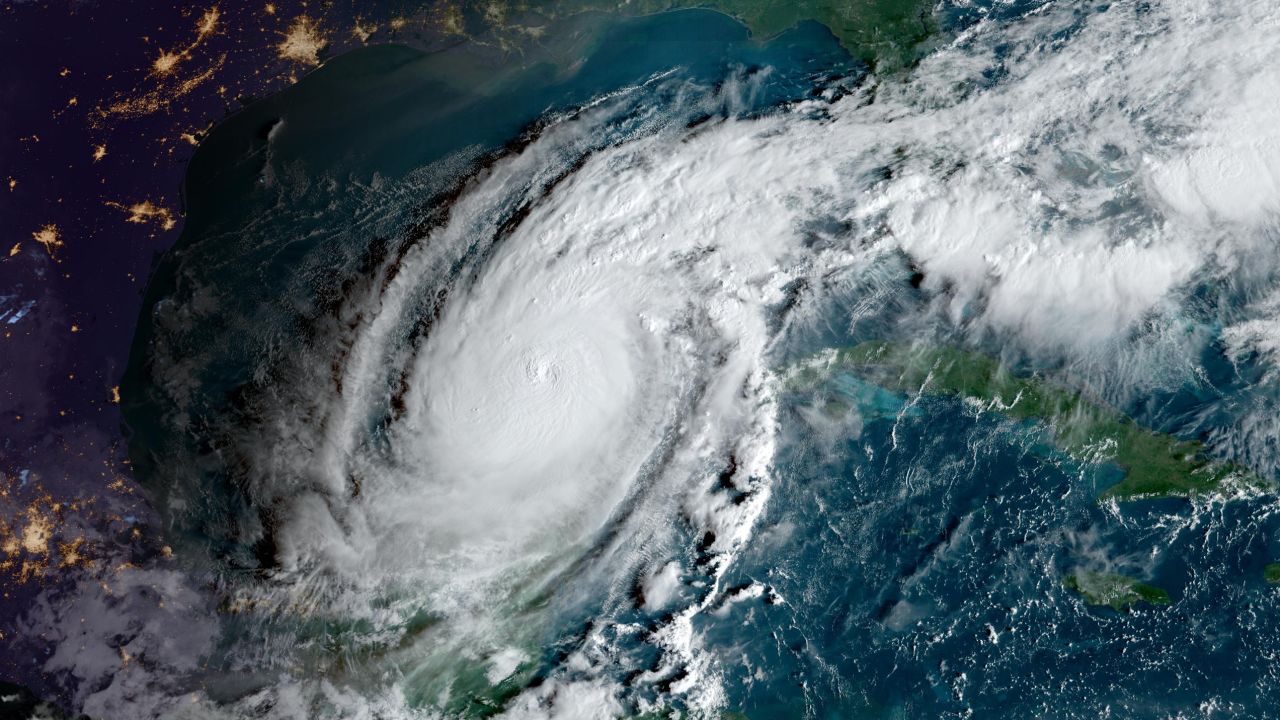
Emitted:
<point x="293" y="199"/>
<point x="391" y="110"/>
<point x="909" y="562"/>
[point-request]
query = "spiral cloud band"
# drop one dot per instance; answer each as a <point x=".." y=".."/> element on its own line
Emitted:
<point x="553" y="409"/>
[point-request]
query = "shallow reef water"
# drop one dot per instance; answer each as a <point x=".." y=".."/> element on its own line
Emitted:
<point x="471" y="387"/>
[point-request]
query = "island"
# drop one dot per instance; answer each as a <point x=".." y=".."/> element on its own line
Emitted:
<point x="1155" y="464"/>
<point x="1114" y="590"/>
<point x="1271" y="573"/>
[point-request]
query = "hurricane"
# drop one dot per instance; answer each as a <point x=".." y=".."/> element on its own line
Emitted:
<point x="577" y="424"/>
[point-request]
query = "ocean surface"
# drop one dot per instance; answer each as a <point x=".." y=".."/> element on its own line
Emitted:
<point x="462" y="391"/>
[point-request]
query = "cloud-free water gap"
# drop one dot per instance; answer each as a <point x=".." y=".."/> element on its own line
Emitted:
<point x="288" y="469"/>
<point x="603" y="301"/>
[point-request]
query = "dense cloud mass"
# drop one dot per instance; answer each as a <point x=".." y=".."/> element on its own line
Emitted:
<point x="555" y="412"/>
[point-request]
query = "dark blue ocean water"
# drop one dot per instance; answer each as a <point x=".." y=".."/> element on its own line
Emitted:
<point x="289" y="197"/>
<point x="918" y="566"/>
<point x="913" y="556"/>
<point x="390" y="110"/>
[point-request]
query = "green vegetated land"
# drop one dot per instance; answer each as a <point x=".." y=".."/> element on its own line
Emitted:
<point x="878" y="31"/>
<point x="884" y="33"/>
<point x="1271" y="573"/>
<point x="1114" y="590"/>
<point x="1155" y="464"/>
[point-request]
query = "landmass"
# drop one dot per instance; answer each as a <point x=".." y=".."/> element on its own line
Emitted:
<point x="1155" y="464"/>
<point x="1271" y="573"/>
<point x="887" y="34"/>
<point x="1114" y="590"/>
